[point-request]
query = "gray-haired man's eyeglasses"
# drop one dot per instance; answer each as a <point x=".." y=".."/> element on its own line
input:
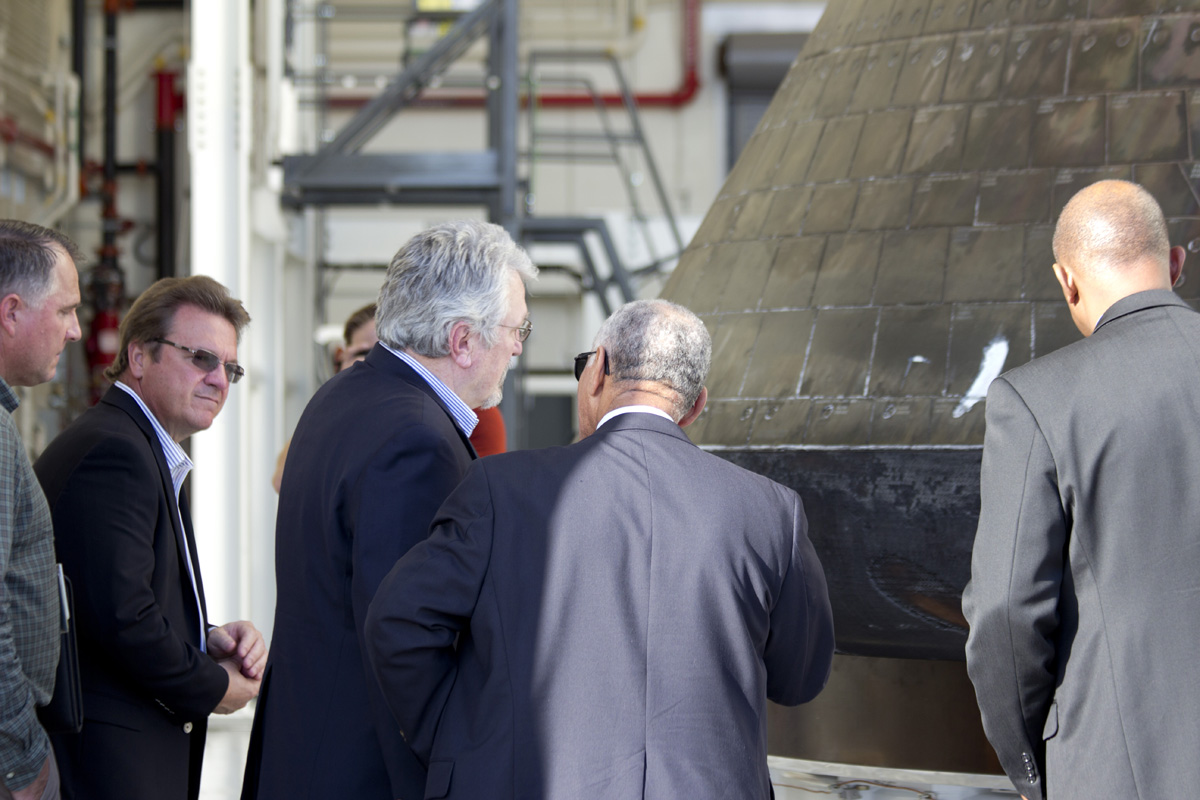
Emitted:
<point x="523" y="330"/>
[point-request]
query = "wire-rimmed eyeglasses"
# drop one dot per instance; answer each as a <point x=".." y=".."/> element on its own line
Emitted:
<point x="523" y="330"/>
<point x="207" y="361"/>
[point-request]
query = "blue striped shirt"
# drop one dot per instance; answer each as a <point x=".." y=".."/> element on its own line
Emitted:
<point x="460" y="412"/>
<point x="179" y="465"/>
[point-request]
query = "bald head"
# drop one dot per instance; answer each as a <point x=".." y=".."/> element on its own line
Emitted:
<point x="1111" y="242"/>
<point x="1112" y="226"/>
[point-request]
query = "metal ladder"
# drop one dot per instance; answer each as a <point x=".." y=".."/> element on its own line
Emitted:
<point x="605" y="144"/>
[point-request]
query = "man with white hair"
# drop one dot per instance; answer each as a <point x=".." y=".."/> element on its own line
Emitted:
<point x="607" y="620"/>
<point x="375" y="453"/>
<point x="1084" y="599"/>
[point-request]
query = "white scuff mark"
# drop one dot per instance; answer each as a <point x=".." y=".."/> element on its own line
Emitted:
<point x="908" y="368"/>
<point x="993" y="361"/>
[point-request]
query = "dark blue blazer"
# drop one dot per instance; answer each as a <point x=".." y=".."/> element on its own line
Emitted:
<point x="147" y="687"/>
<point x="605" y="620"/>
<point x="374" y="455"/>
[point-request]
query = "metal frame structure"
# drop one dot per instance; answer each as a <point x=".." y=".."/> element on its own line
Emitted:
<point x="340" y="174"/>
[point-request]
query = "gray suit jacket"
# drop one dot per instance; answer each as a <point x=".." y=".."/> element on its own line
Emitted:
<point x="623" y="608"/>
<point x="1084" y="600"/>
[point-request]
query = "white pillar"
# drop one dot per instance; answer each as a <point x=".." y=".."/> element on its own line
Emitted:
<point x="219" y="143"/>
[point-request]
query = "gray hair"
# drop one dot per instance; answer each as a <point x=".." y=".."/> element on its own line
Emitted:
<point x="27" y="256"/>
<point x="450" y="273"/>
<point x="660" y="342"/>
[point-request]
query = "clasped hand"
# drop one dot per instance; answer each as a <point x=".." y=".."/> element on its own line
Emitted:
<point x="239" y="648"/>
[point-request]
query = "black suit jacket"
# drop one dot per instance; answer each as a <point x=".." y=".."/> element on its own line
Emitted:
<point x="1084" y="600"/>
<point x="374" y="455"/>
<point x="605" y="620"/>
<point x="147" y="687"/>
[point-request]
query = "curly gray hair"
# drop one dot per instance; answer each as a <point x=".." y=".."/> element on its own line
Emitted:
<point x="659" y="342"/>
<point x="453" y="272"/>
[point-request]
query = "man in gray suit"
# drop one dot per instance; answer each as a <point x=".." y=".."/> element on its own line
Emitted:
<point x="608" y="619"/>
<point x="1084" y="600"/>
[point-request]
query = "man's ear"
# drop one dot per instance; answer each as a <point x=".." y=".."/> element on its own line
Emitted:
<point x="137" y="355"/>
<point x="1067" y="281"/>
<point x="461" y="344"/>
<point x="10" y="307"/>
<point x="593" y="380"/>
<point x="1177" y="256"/>
<point x="697" y="407"/>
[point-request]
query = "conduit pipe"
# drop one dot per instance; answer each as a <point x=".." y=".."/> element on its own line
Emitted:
<point x="681" y="95"/>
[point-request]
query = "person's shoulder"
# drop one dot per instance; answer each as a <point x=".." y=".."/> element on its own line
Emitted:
<point x="100" y="430"/>
<point x="719" y="471"/>
<point x="1054" y="369"/>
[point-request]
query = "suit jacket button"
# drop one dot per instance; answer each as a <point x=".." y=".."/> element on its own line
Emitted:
<point x="187" y="727"/>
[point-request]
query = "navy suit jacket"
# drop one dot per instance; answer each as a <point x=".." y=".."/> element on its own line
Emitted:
<point x="1083" y="602"/>
<point x="147" y="687"/>
<point x="374" y="455"/>
<point x="623" y="609"/>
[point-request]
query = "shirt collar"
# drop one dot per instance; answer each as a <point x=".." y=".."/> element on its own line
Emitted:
<point x="177" y="460"/>
<point x="616" y="412"/>
<point x="460" y="412"/>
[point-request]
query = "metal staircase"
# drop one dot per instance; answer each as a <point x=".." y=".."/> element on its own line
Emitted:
<point x="603" y="144"/>
<point x="340" y="173"/>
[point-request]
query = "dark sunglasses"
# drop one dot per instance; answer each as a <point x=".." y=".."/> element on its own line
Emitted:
<point x="581" y="363"/>
<point x="207" y="361"/>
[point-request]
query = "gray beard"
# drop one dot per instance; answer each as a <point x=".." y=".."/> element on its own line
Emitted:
<point x="497" y="394"/>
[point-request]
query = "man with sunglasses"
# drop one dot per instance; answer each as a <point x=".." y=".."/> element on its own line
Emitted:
<point x="607" y="619"/>
<point x="375" y="453"/>
<point x="151" y="667"/>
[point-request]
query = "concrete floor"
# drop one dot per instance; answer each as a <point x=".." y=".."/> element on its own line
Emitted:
<point x="793" y="779"/>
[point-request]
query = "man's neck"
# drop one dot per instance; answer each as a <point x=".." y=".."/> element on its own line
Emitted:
<point x="439" y="367"/>
<point x="663" y="400"/>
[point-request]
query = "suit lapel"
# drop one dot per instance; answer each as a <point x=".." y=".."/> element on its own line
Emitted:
<point x="184" y="540"/>
<point x="385" y="362"/>
<point x="185" y="514"/>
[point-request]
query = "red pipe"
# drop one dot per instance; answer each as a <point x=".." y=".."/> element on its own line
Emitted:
<point x="169" y="101"/>
<point x="12" y="133"/>
<point x="681" y="95"/>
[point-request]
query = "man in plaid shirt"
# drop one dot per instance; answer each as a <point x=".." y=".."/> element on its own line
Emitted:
<point x="39" y="293"/>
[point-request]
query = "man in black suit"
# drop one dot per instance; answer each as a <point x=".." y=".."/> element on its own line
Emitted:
<point x="607" y="620"/>
<point x="1084" y="599"/>
<point x="375" y="453"/>
<point x="151" y="668"/>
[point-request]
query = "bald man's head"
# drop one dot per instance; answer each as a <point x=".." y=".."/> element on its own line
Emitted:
<point x="1111" y="242"/>
<point x="1111" y="227"/>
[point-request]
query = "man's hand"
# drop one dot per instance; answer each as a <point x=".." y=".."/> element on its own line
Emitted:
<point x="241" y="689"/>
<point x="35" y="790"/>
<point x="241" y="642"/>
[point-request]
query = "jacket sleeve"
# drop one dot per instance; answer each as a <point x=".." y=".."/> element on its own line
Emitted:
<point x="1011" y="601"/>
<point x="394" y="502"/>
<point x="105" y="521"/>
<point x="26" y="744"/>
<point x="799" y="649"/>
<point x="424" y="603"/>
